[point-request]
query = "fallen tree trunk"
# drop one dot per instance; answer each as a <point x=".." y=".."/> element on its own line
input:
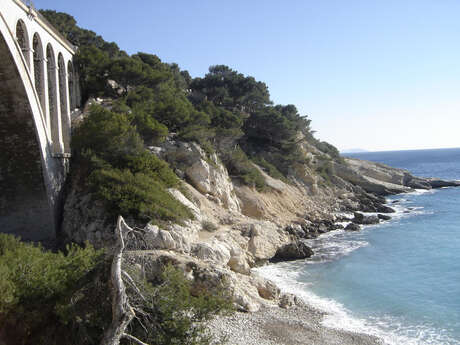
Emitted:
<point x="122" y="312"/>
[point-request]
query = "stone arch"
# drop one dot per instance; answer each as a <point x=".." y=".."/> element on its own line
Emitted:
<point x="71" y="78"/>
<point x="23" y="40"/>
<point x="63" y="92"/>
<point x="25" y="167"/>
<point x="39" y="71"/>
<point x="53" y="104"/>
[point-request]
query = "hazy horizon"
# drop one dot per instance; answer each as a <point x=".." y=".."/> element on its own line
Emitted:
<point x="376" y="75"/>
<point x="363" y="150"/>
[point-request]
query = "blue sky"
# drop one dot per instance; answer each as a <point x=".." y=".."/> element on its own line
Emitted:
<point x="377" y="75"/>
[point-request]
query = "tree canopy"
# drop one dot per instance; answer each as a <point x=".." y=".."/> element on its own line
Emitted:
<point x="224" y="111"/>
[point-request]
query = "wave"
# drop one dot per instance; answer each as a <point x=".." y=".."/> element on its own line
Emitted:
<point x="333" y="245"/>
<point x="391" y="330"/>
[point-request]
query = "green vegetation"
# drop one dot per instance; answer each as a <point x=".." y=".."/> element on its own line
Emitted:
<point x="208" y="226"/>
<point x="224" y="111"/>
<point x="239" y="166"/>
<point x="269" y="168"/>
<point x="43" y="293"/>
<point x="56" y="298"/>
<point x="131" y="181"/>
<point x="174" y="309"/>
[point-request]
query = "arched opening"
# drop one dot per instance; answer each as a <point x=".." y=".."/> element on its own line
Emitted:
<point x="53" y="98"/>
<point x="23" y="40"/>
<point x="24" y="204"/>
<point x="64" y="104"/>
<point x="39" y="75"/>
<point x="71" y="78"/>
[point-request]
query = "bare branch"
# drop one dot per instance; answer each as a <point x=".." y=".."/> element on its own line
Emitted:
<point x="122" y="313"/>
<point x="130" y="337"/>
<point x="133" y="284"/>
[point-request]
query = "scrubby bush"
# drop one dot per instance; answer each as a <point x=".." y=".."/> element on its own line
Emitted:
<point x="174" y="310"/>
<point x="122" y="173"/>
<point x="269" y="168"/>
<point x="40" y="290"/>
<point x="326" y="171"/>
<point x="31" y="273"/>
<point x="239" y="166"/>
<point x="137" y="195"/>
<point x="107" y="134"/>
<point x="208" y="226"/>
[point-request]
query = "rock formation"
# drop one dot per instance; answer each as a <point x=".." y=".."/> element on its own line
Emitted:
<point x="249" y="228"/>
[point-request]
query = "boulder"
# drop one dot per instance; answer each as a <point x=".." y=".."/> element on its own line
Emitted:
<point x="265" y="239"/>
<point x="265" y="288"/>
<point x="215" y="251"/>
<point x="366" y="220"/>
<point x="239" y="263"/>
<point x="358" y="218"/>
<point x="296" y="230"/>
<point x="293" y="251"/>
<point x="176" y="238"/>
<point x="371" y="220"/>
<point x="287" y="300"/>
<point x="352" y="227"/>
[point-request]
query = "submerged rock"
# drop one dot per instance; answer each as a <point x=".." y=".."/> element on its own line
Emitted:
<point x="383" y="217"/>
<point x="385" y="209"/>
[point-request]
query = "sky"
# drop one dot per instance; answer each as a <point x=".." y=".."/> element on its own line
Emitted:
<point x="376" y="75"/>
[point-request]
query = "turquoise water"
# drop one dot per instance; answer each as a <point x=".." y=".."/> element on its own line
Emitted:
<point x="399" y="280"/>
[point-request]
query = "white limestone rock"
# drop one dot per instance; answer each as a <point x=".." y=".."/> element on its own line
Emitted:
<point x="215" y="251"/>
<point x="265" y="240"/>
<point x="181" y="198"/>
<point x="206" y="174"/>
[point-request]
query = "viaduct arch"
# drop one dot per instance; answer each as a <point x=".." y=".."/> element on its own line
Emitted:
<point x="38" y="93"/>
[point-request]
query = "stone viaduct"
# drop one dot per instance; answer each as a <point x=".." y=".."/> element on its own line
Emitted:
<point x="38" y="93"/>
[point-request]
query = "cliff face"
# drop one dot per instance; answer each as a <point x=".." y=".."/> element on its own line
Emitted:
<point x="236" y="227"/>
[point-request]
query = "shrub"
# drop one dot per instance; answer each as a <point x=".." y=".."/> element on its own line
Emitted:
<point x="152" y="166"/>
<point x="173" y="311"/>
<point x="109" y="135"/>
<point x="239" y="166"/>
<point x="38" y="291"/>
<point x="208" y="226"/>
<point x="326" y="171"/>
<point x="137" y="195"/>
<point x="270" y="169"/>
<point x="31" y="273"/>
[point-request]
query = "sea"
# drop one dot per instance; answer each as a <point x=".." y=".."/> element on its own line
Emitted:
<point x="399" y="280"/>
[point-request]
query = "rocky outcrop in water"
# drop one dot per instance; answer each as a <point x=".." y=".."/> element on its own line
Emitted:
<point x="292" y="251"/>
<point x="381" y="179"/>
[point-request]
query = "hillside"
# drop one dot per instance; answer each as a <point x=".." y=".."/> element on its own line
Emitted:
<point x="212" y="180"/>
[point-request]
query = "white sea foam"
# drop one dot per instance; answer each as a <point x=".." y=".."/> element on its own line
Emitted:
<point x="422" y="191"/>
<point x="390" y="329"/>
<point x="333" y="245"/>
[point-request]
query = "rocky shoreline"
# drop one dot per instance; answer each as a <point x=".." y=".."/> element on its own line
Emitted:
<point x="237" y="228"/>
